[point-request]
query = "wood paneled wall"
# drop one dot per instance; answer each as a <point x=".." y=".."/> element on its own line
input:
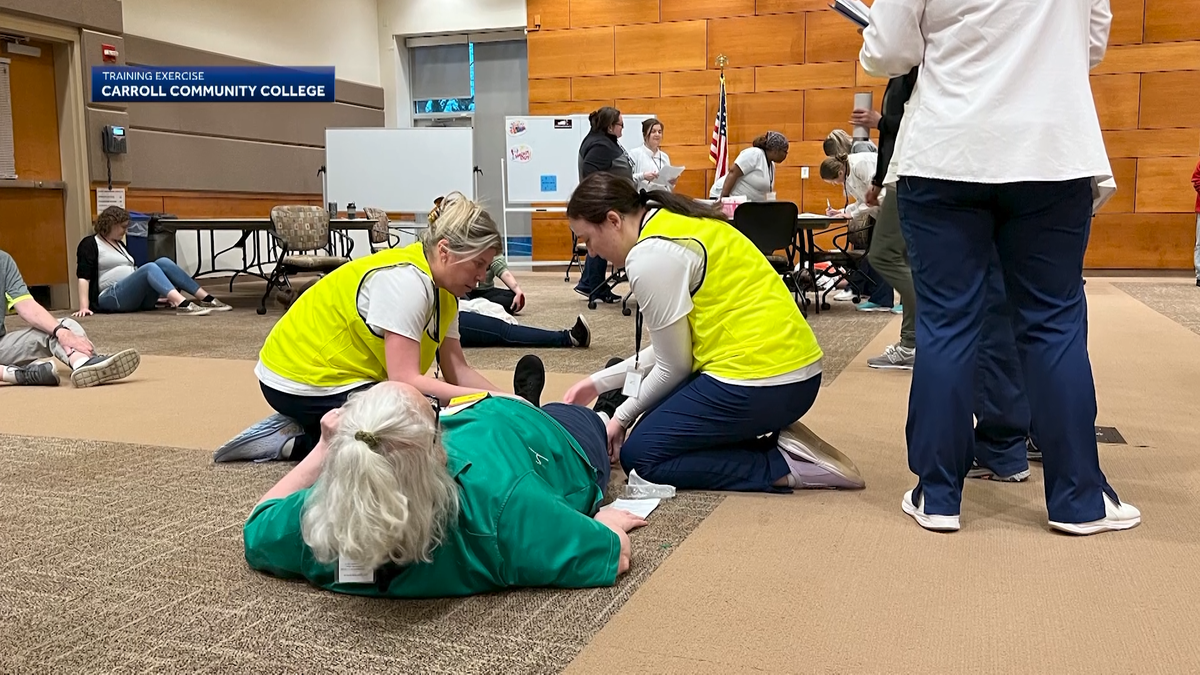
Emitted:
<point x="793" y="68"/>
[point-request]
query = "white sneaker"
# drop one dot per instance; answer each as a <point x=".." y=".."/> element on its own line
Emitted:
<point x="799" y="443"/>
<point x="1117" y="516"/>
<point x="929" y="522"/>
<point x="844" y="295"/>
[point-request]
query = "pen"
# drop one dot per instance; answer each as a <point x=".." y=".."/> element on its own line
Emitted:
<point x="828" y="205"/>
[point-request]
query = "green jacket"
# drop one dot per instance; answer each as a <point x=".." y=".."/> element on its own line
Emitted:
<point x="526" y="492"/>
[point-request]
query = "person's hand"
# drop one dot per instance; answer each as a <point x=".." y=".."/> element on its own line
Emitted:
<point x="518" y="302"/>
<point x="619" y="520"/>
<point x="616" y="438"/>
<point x="73" y="343"/>
<point x="672" y="182"/>
<point x="649" y="176"/>
<point x="82" y="313"/>
<point x="872" y="197"/>
<point x="835" y="213"/>
<point x="329" y="423"/>
<point x="861" y="117"/>
<point x="583" y="393"/>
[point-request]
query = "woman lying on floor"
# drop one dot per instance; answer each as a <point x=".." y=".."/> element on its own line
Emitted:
<point x="387" y="316"/>
<point x="732" y="361"/>
<point x="483" y="323"/>
<point x="502" y="495"/>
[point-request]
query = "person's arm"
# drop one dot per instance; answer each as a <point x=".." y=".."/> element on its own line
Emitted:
<point x="304" y="474"/>
<point x="404" y="365"/>
<point x="893" y="44"/>
<point x="1101" y="23"/>
<point x="731" y="179"/>
<point x="511" y="281"/>
<point x="599" y="157"/>
<point x="87" y="267"/>
<point x="36" y="316"/>
<point x="672" y="366"/>
<point x="84" y="301"/>
<point x="864" y="173"/>
<point x="460" y="373"/>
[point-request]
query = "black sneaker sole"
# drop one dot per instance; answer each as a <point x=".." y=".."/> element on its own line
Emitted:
<point x="117" y="367"/>
<point x="529" y="379"/>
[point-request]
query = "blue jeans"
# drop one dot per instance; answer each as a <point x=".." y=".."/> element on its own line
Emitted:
<point x="1001" y="408"/>
<point x="594" y="268"/>
<point x="141" y="290"/>
<point x="709" y="435"/>
<point x="1039" y="231"/>
<point x="479" y="330"/>
<point x="867" y="281"/>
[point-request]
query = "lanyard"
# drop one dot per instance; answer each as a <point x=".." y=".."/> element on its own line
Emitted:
<point x="437" y="329"/>
<point x="637" y="340"/>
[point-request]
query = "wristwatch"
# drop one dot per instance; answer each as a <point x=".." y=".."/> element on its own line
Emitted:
<point x="54" y="333"/>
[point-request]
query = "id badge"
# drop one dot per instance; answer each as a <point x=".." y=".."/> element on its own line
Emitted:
<point x="633" y="384"/>
<point x="350" y="572"/>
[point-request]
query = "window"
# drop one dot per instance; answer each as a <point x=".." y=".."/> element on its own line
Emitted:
<point x="451" y="105"/>
<point x="8" y="161"/>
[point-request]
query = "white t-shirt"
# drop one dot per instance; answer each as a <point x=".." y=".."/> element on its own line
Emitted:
<point x="758" y="177"/>
<point x="114" y="262"/>
<point x="399" y="300"/>
<point x="645" y="162"/>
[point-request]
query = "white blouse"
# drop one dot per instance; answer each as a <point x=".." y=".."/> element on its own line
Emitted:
<point x="644" y="162"/>
<point x="758" y="177"/>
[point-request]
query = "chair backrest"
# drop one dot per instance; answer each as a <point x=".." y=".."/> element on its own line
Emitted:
<point x="770" y="226"/>
<point x="379" y="230"/>
<point x="301" y="228"/>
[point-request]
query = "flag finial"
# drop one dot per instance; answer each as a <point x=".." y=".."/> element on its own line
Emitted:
<point x="722" y="61"/>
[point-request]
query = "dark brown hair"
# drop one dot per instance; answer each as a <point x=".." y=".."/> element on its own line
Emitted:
<point x="604" y="118"/>
<point x="602" y="192"/>
<point x="648" y="126"/>
<point x="110" y="218"/>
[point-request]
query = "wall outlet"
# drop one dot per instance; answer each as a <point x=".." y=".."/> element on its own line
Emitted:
<point x="804" y="173"/>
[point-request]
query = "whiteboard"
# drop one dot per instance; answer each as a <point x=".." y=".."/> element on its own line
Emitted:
<point x="542" y="154"/>
<point x="398" y="169"/>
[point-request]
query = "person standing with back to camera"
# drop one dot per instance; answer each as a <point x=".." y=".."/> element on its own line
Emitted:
<point x="720" y="390"/>
<point x="1000" y="156"/>
<point x="601" y="151"/>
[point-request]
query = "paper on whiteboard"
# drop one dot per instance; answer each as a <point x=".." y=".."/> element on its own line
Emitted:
<point x="668" y="174"/>
<point x="638" y="507"/>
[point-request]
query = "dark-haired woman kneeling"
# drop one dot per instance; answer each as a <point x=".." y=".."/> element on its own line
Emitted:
<point x="733" y="364"/>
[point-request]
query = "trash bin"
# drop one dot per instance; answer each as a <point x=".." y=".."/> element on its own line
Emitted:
<point x="161" y="243"/>
<point x="136" y="238"/>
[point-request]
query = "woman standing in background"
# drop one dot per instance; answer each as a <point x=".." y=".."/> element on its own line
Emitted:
<point x="753" y="172"/>
<point x="649" y="159"/>
<point x="602" y="151"/>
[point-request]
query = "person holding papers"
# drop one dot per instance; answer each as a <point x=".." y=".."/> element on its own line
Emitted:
<point x="1000" y="157"/>
<point x="721" y="388"/>
<point x="649" y="160"/>
<point x="752" y="174"/>
<point x="397" y="501"/>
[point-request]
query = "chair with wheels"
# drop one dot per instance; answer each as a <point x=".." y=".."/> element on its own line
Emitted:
<point x="850" y="242"/>
<point x="302" y="234"/>
<point x="771" y="227"/>
<point x="578" y="254"/>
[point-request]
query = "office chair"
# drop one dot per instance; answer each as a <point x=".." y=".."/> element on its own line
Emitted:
<point x="771" y="227"/>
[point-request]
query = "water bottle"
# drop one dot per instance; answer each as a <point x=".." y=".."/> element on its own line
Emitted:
<point x="640" y="488"/>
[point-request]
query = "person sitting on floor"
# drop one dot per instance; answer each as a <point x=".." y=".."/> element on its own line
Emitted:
<point x="483" y="323"/>
<point x="511" y="299"/>
<point x="387" y="316"/>
<point x="497" y="494"/>
<point x="110" y="282"/>
<point x="22" y="351"/>
<point x="724" y="376"/>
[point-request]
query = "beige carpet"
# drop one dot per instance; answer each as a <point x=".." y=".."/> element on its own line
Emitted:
<point x="121" y="547"/>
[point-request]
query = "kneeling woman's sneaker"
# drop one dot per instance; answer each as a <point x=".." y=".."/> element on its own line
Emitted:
<point x="815" y="463"/>
<point x="264" y="441"/>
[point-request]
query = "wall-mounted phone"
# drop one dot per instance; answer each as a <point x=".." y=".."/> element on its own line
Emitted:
<point x="114" y="140"/>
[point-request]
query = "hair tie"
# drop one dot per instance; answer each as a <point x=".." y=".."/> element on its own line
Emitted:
<point x="368" y="438"/>
<point x="644" y="197"/>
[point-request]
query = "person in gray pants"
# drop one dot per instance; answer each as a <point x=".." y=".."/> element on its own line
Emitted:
<point x="22" y="352"/>
<point x="889" y="253"/>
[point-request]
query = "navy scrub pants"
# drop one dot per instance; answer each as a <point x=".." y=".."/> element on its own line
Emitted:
<point x="1039" y="231"/>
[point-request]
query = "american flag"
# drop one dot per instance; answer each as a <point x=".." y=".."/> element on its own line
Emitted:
<point x="718" y="152"/>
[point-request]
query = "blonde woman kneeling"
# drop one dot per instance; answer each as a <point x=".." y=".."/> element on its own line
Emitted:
<point x="389" y="505"/>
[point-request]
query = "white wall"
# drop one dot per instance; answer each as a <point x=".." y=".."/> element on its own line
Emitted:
<point x="341" y="33"/>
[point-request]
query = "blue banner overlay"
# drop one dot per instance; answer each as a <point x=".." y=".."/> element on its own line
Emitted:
<point x="244" y="84"/>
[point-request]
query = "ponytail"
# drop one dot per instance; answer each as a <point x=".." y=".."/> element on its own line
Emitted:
<point x="833" y="166"/>
<point x="602" y="192"/>
<point x="467" y="229"/>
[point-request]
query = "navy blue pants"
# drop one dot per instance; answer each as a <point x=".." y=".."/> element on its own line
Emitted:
<point x="1001" y="408"/>
<point x="479" y="330"/>
<point x="709" y="435"/>
<point x="585" y="427"/>
<point x="868" y="282"/>
<point x="1039" y="231"/>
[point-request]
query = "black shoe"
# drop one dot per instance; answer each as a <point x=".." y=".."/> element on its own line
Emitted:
<point x="608" y="298"/>
<point x="609" y="401"/>
<point x="1032" y="451"/>
<point x="37" y="375"/>
<point x="581" y="333"/>
<point x="529" y="379"/>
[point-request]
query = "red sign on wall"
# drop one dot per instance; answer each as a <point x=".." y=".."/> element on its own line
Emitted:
<point x="110" y="53"/>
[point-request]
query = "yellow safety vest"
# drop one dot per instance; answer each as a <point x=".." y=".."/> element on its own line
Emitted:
<point x="323" y="341"/>
<point x="745" y="324"/>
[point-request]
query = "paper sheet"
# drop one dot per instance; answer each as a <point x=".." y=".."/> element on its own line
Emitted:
<point x="638" y="507"/>
<point x="668" y="174"/>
